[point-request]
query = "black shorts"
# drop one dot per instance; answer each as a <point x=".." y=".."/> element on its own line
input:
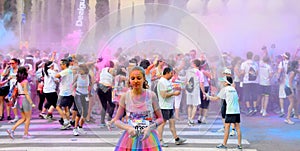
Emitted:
<point x="288" y="91"/>
<point x="204" y="102"/>
<point x="265" y="90"/>
<point x="4" y="91"/>
<point x="65" y="101"/>
<point x="232" y="118"/>
<point x="250" y="91"/>
<point x="223" y="108"/>
<point x="167" y="114"/>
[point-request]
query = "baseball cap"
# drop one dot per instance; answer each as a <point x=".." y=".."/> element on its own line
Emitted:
<point x="286" y="55"/>
<point x="226" y="79"/>
<point x="227" y="71"/>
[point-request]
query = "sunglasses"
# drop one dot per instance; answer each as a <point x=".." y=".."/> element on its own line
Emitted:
<point x="11" y="63"/>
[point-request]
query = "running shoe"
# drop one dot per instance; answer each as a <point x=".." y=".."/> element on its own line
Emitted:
<point x="28" y="136"/>
<point x="163" y="144"/>
<point x="239" y="147"/>
<point x="180" y="141"/>
<point x="10" y="133"/>
<point x="81" y="131"/>
<point x="14" y="120"/>
<point x="65" y="127"/>
<point x="221" y="146"/>
<point x="232" y="133"/>
<point x="281" y="114"/>
<point x="289" y="122"/>
<point x="75" y="132"/>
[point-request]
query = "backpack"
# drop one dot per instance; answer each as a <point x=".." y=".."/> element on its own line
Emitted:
<point x="252" y="73"/>
<point x="12" y="95"/>
<point x="190" y="85"/>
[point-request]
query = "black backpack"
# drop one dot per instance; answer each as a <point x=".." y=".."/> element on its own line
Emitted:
<point x="252" y="73"/>
<point x="190" y="85"/>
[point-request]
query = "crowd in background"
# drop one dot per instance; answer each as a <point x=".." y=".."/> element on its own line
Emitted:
<point x="67" y="83"/>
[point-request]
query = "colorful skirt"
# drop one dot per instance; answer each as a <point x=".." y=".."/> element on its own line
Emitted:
<point x="127" y="143"/>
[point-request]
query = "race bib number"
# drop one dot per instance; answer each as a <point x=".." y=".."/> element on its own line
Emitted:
<point x="139" y="125"/>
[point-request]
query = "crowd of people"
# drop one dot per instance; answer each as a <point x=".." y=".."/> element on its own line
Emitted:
<point x="139" y="95"/>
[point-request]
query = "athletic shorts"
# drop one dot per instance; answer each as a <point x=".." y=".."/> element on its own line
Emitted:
<point x="232" y="118"/>
<point x="167" y="114"/>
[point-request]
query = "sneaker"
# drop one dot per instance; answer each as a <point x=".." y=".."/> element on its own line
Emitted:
<point x="289" y="122"/>
<point x="281" y="114"/>
<point x="254" y="112"/>
<point x="65" y="127"/>
<point x="28" y="136"/>
<point x="264" y="114"/>
<point x="221" y="130"/>
<point x="180" y="141"/>
<point x="221" y="146"/>
<point x="8" y="118"/>
<point x="250" y="112"/>
<point x="81" y="131"/>
<point x="199" y="120"/>
<point x="75" y="132"/>
<point x="102" y="125"/>
<point x="14" y="120"/>
<point x="232" y="133"/>
<point x="204" y="121"/>
<point x="239" y="147"/>
<point x="163" y="144"/>
<point x="191" y="122"/>
<point x="42" y="115"/>
<point x="261" y="111"/>
<point x="10" y="133"/>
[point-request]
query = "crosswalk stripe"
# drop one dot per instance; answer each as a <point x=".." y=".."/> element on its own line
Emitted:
<point x="94" y="126"/>
<point x="108" y="140"/>
<point x="110" y="133"/>
<point x="112" y="148"/>
<point x="200" y="136"/>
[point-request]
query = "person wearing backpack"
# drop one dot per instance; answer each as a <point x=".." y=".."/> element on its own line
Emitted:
<point x="250" y="83"/>
<point x="195" y="83"/>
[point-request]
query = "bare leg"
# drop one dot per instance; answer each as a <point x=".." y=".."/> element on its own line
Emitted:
<point x="160" y="130"/>
<point x="19" y="122"/>
<point x="226" y="133"/>
<point x="172" y="128"/>
<point x="291" y="99"/>
<point x="27" y="122"/>
<point x="239" y="133"/>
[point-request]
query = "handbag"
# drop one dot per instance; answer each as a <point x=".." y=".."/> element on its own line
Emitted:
<point x="103" y="87"/>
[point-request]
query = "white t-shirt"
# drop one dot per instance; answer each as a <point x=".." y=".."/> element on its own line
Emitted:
<point x="284" y="66"/>
<point x="165" y="85"/>
<point x="65" y="85"/>
<point x="264" y="74"/>
<point x="245" y="66"/>
<point x="49" y="82"/>
<point x="231" y="98"/>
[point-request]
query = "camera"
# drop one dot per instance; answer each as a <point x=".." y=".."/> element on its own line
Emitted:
<point x="100" y="59"/>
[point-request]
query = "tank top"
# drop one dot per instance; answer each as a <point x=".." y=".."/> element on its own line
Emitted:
<point x="82" y="85"/>
<point x="21" y="90"/>
<point x="106" y="77"/>
<point x="143" y="105"/>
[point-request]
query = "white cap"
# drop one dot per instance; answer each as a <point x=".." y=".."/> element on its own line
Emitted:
<point x="227" y="71"/>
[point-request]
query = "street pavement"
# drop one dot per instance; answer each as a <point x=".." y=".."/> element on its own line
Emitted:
<point x="259" y="133"/>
